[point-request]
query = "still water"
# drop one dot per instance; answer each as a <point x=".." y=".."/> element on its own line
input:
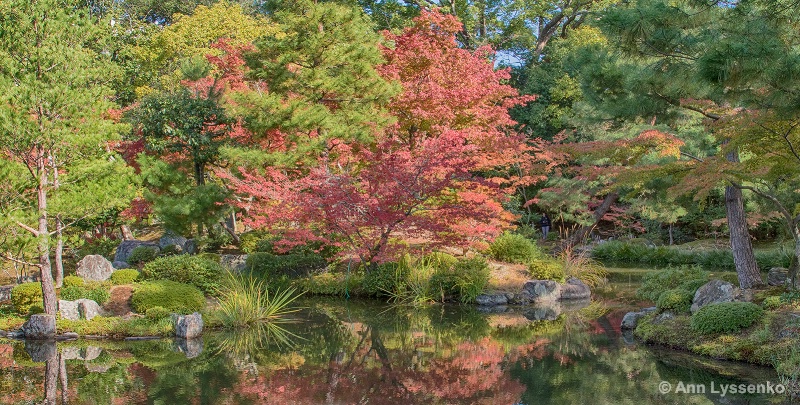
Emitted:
<point x="356" y="352"/>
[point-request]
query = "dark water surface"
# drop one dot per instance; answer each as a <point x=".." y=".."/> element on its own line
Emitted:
<point x="338" y="352"/>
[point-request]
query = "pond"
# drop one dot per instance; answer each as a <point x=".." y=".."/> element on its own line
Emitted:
<point x="365" y="352"/>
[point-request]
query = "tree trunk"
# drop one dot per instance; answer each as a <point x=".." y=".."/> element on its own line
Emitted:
<point x="51" y="377"/>
<point x="43" y="236"/>
<point x="126" y="232"/>
<point x="59" y="252"/>
<point x="671" y="240"/>
<point x="62" y="375"/>
<point x="796" y="259"/>
<point x="743" y="258"/>
<point x="583" y="232"/>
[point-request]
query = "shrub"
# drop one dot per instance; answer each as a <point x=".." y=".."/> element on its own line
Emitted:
<point x="171" y="295"/>
<point x="327" y="283"/>
<point x="125" y="276"/>
<point x="195" y="270"/>
<point x="26" y="298"/>
<point x="70" y="281"/>
<point x="99" y="294"/>
<point x="156" y="313"/>
<point x="267" y="265"/>
<point x="514" y="248"/>
<point x="773" y="302"/>
<point x="684" y="277"/>
<point x="251" y="242"/>
<point x="100" y="246"/>
<point x="245" y="301"/>
<point x="464" y="281"/>
<point x="547" y="269"/>
<point x="439" y="260"/>
<point x="726" y="317"/>
<point x="385" y="279"/>
<point x="676" y="299"/>
<point x="142" y="255"/>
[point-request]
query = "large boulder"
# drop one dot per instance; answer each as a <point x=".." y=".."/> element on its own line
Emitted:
<point x="125" y="249"/>
<point x="172" y="239"/>
<point x="779" y="276"/>
<point x="236" y="263"/>
<point x="41" y="350"/>
<point x="88" y="309"/>
<point x="191" y="348"/>
<point x="548" y="312"/>
<point x="188" y="326"/>
<point x="714" y="292"/>
<point x="39" y="326"/>
<point x="5" y="292"/>
<point x="575" y="289"/>
<point x="542" y="291"/>
<point x="95" y="268"/>
<point x="68" y="310"/>
<point x="631" y="319"/>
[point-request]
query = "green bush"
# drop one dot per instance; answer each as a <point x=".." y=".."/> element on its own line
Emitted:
<point x="26" y="298"/>
<point x="156" y="313"/>
<point x="684" y="277"/>
<point x="100" y="246"/>
<point x="171" y="295"/>
<point x="143" y="255"/>
<point x="267" y="265"/>
<point x="726" y="317"/>
<point x="676" y="299"/>
<point x="464" y="281"/>
<point x="195" y="270"/>
<point x="439" y="260"/>
<point x="70" y="281"/>
<point x="336" y="284"/>
<point x="547" y="269"/>
<point x="773" y="302"/>
<point x="125" y="276"/>
<point x="99" y="294"/>
<point x="385" y="279"/>
<point x="514" y="248"/>
<point x="251" y="242"/>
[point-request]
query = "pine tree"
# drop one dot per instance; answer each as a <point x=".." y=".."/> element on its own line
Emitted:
<point x="54" y="109"/>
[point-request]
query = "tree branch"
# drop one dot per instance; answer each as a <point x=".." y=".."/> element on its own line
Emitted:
<point x="28" y="228"/>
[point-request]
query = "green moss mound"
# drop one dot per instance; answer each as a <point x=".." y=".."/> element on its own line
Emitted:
<point x="125" y="276"/>
<point x="170" y="295"/>
<point x="727" y="317"/>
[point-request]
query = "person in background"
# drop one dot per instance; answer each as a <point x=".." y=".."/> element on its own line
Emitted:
<point x="545" y="224"/>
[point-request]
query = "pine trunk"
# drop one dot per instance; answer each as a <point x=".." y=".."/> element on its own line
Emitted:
<point x="743" y="258"/>
<point x="59" y="253"/>
<point x="43" y="236"/>
<point x="126" y="232"/>
<point x="51" y="377"/>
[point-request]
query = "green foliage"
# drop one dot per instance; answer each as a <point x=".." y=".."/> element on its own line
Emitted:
<point x="245" y="301"/>
<point x="195" y="270"/>
<point x="251" y="242"/>
<point x="676" y="299"/>
<point x="155" y="313"/>
<point x="685" y="278"/>
<point x="335" y="284"/>
<point x="74" y="281"/>
<point x="125" y="276"/>
<point x="98" y="294"/>
<point x="143" y="255"/>
<point x="267" y="265"/>
<point x="514" y="248"/>
<point x="773" y="302"/>
<point x="25" y="298"/>
<point x="727" y="317"/>
<point x="385" y="279"/>
<point x="99" y="246"/>
<point x="547" y="269"/>
<point x="464" y="281"/>
<point x="171" y="295"/>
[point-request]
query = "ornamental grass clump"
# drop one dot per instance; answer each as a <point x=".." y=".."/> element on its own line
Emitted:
<point x="245" y="301"/>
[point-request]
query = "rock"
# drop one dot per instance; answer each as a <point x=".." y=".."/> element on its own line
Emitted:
<point x="492" y="309"/>
<point x="95" y="268"/>
<point x="88" y="309"/>
<point x="631" y="319"/>
<point x="125" y="249"/>
<point x="543" y="313"/>
<point x="120" y="265"/>
<point x="778" y="276"/>
<point x="97" y="368"/>
<point x="15" y="334"/>
<point x="90" y="353"/>
<point x="68" y="336"/>
<point x="68" y="310"/>
<point x="190" y="247"/>
<point x="491" y="299"/>
<point x="189" y="347"/>
<point x="575" y="289"/>
<point x="713" y="292"/>
<point x="41" y="350"/>
<point x="664" y="316"/>
<point x="542" y="291"/>
<point x="233" y="262"/>
<point x="71" y="353"/>
<point x="40" y="326"/>
<point x="5" y="292"/>
<point x="188" y="326"/>
<point x="172" y="239"/>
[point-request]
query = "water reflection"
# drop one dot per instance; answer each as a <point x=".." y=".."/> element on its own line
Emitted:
<point x="366" y="353"/>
